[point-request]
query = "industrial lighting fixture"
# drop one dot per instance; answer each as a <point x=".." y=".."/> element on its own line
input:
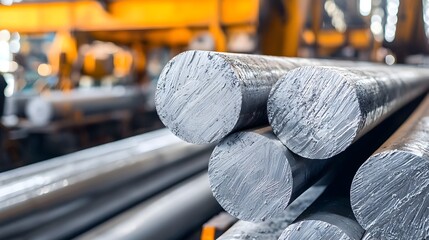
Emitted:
<point x="365" y="7"/>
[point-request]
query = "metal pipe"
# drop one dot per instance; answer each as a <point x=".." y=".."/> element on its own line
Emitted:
<point x="264" y="174"/>
<point x="115" y="201"/>
<point x="272" y="229"/>
<point x="41" y="186"/>
<point x="389" y="194"/>
<point x="47" y="107"/>
<point x="170" y="216"/>
<point x="204" y="96"/>
<point x="317" y="112"/>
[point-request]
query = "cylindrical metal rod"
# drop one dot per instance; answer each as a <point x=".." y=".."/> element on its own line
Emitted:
<point x="248" y="170"/>
<point x="329" y="218"/>
<point x="389" y="194"/>
<point x="16" y="104"/>
<point x="271" y="230"/>
<point x="41" y="110"/>
<point x="204" y="96"/>
<point x="170" y="216"/>
<point x="116" y="200"/>
<point x="16" y="229"/>
<point x="317" y="112"/>
<point x="264" y="174"/>
<point x="88" y="171"/>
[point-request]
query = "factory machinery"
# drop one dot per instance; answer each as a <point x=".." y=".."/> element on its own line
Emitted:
<point x="282" y="125"/>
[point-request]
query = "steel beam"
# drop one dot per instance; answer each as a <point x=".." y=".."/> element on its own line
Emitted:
<point x="389" y="194"/>
<point x="317" y="112"/>
<point x="171" y="215"/>
<point x="264" y="175"/>
<point x="39" y="186"/>
<point x="204" y="96"/>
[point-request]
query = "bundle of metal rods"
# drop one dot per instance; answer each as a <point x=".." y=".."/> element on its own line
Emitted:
<point x="81" y="190"/>
<point x="325" y="118"/>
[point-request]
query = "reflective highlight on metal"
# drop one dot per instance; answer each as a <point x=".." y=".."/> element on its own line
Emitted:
<point x="317" y="112"/>
<point x="169" y="216"/>
<point x="204" y="96"/>
<point x="45" y="184"/>
<point x="264" y="174"/>
<point x="389" y="194"/>
<point x="113" y="201"/>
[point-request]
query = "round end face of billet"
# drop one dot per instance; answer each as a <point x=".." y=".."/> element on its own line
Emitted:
<point x="250" y="176"/>
<point x="314" y="111"/>
<point x="390" y="195"/>
<point x="198" y="97"/>
<point x="313" y="230"/>
<point x="39" y="111"/>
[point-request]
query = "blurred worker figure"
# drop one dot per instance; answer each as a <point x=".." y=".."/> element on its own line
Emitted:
<point x="3" y="158"/>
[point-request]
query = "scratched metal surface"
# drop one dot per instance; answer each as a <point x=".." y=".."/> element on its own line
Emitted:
<point x="389" y="194"/>
<point x="42" y="185"/>
<point x="254" y="177"/>
<point x="203" y="96"/>
<point x="317" y="112"/>
<point x="328" y="218"/>
<point x="272" y="229"/>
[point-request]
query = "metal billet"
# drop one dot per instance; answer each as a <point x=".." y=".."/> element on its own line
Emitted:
<point x="39" y="186"/>
<point x="317" y="112"/>
<point x="171" y="215"/>
<point x="389" y="194"/>
<point x="264" y="174"/>
<point x="204" y="96"/>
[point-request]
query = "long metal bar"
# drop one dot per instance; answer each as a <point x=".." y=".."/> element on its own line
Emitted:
<point x="43" y="109"/>
<point x="170" y="216"/>
<point x="272" y="229"/>
<point x="251" y="176"/>
<point x="41" y="186"/>
<point x="264" y="174"/>
<point x="317" y="112"/>
<point x="116" y="200"/>
<point x="389" y="194"/>
<point x="15" y="229"/>
<point x="204" y="96"/>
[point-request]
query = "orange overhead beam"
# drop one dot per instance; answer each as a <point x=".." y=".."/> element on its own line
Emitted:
<point x="87" y="15"/>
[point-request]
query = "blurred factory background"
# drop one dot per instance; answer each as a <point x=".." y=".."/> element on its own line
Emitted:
<point x="81" y="73"/>
<point x="56" y="49"/>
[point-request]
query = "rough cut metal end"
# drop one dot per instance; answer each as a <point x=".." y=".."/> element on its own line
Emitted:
<point x="317" y="112"/>
<point x="198" y="97"/>
<point x="389" y="193"/>
<point x="250" y="176"/>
